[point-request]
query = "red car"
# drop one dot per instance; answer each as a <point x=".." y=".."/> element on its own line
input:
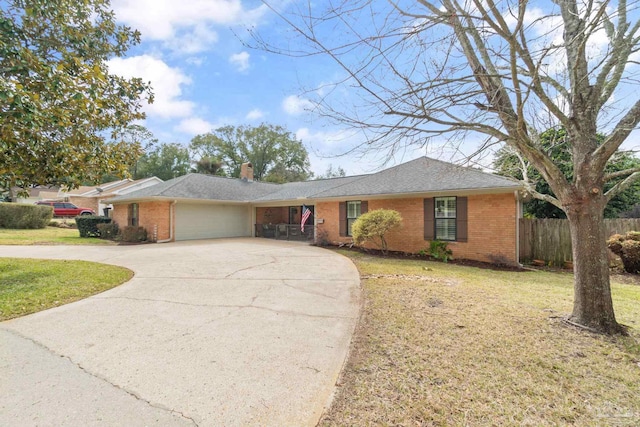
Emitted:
<point x="67" y="209"/>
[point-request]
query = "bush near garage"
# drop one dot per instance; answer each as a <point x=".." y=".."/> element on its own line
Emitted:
<point x="22" y="216"/>
<point x="88" y="225"/>
<point x="131" y="234"/>
<point x="108" y="231"/>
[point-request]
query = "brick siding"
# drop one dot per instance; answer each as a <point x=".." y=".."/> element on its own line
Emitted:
<point x="492" y="221"/>
<point x="151" y="214"/>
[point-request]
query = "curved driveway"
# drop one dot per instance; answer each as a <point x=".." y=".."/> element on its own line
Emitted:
<point x="228" y="332"/>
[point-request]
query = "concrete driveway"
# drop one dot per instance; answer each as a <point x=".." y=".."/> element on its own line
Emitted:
<point x="230" y="332"/>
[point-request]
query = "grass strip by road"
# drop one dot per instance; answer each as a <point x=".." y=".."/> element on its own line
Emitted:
<point x="446" y="345"/>
<point x="48" y="236"/>
<point x="32" y="285"/>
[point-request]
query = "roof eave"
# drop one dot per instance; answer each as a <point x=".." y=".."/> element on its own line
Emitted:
<point x="436" y="193"/>
<point x="123" y="200"/>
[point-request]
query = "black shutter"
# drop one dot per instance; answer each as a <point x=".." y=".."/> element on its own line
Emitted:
<point x="342" y="212"/>
<point x="364" y="207"/>
<point x="461" y="219"/>
<point x="429" y="223"/>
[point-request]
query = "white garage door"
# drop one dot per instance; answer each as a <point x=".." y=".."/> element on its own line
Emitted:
<point x="195" y="221"/>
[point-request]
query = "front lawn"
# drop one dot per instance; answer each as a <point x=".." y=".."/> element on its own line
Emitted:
<point x="48" y="236"/>
<point x="31" y="285"/>
<point x="446" y="345"/>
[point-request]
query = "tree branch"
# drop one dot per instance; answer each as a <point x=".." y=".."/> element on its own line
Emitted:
<point x="618" y="174"/>
<point x="621" y="186"/>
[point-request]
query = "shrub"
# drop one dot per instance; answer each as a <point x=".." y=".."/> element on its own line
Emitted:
<point x="108" y="231"/>
<point x="627" y="247"/>
<point x="88" y="225"/>
<point x="133" y="234"/>
<point x="374" y="225"/>
<point x="439" y="250"/>
<point x="23" y="216"/>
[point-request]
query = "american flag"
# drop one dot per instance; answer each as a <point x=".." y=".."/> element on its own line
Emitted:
<point x="306" y="213"/>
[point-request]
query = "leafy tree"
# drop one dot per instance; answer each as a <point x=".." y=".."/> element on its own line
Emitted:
<point x="166" y="161"/>
<point x="275" y="154"/>
<point x="333" y="173"/>
<point x="60" y="108"/>
<point x="507" y="70"/>
<point x="374" y="225"/>
<point x="208" y="166"/>
<point x="554" y="141"/>
<point x="135" y="135"/>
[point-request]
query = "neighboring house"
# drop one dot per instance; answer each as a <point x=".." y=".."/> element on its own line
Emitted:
<point x="476" y="212"/>
<point x="95" y="197"/>
<point x="99" y="197"/>
<point x="37" y="194"/>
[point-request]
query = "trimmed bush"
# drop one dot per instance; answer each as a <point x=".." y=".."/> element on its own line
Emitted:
<point x="108" y="231"/>
<point x="88" y="224"/>
<point x="22" y="216"/>
<point x="627" y="247"/>
<point x="374" y="225"/>
<point x="132" y="234"/>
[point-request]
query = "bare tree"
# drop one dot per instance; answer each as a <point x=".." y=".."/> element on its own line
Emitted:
<point x="507" y="70"/>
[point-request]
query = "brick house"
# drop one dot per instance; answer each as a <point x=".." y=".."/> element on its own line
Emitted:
<point x="475" y="212"/>
<point x="95" y="197"/>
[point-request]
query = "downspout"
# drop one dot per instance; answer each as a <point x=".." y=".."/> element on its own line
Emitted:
<point x="171" y="213"/>
<point x="518" y="216"/>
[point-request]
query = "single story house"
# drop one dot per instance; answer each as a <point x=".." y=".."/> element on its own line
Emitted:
<point x="475" y="212"/>
<point x="96" y="197"/>
<point x="99" y="197"/>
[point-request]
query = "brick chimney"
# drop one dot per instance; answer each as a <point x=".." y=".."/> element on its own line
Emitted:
<point x="246" y="172"/>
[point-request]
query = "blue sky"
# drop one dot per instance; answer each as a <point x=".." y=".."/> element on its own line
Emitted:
<point x="204" y="76"/>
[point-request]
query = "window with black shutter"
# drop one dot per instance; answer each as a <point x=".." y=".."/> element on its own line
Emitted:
<point x="445" y="218"/>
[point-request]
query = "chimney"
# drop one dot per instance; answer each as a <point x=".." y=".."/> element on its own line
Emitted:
<point x="246" y="172"/>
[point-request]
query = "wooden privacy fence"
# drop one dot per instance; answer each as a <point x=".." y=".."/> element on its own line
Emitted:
<point x="549" y="239"/>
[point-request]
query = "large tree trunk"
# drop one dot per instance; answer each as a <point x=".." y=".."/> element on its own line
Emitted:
<point x="592" y="304"/>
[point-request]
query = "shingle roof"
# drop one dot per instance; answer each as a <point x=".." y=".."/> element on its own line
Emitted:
<point x="305" y="189"/>
<point x="422" y="175"/>
<point x="206" y="187"/>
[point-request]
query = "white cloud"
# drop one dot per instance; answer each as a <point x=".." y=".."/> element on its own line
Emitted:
<point x="195" y="126"/>
<point x="255" y="114"/>
<point x="195" y="60"/>
<point x="166" y="83"/>
<point x="295" y="105"/>
<point x="160" y="19"/>
<point x="200" y="39"/>
<point x="240" y="61"/>
<point x="185" y="26"/>
<point x="325" y="140"/>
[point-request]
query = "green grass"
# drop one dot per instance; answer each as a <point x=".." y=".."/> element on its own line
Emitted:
<point x="31" y="285"/>
<point x="446" y="345"/>
<point x="48" y="236"/>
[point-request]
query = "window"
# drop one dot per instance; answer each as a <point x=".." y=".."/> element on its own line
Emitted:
<point x="347" y="214"/>
<point x="445" y="218"/>
<point x="133" y="214"/>
<point x="354" y="210"/>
